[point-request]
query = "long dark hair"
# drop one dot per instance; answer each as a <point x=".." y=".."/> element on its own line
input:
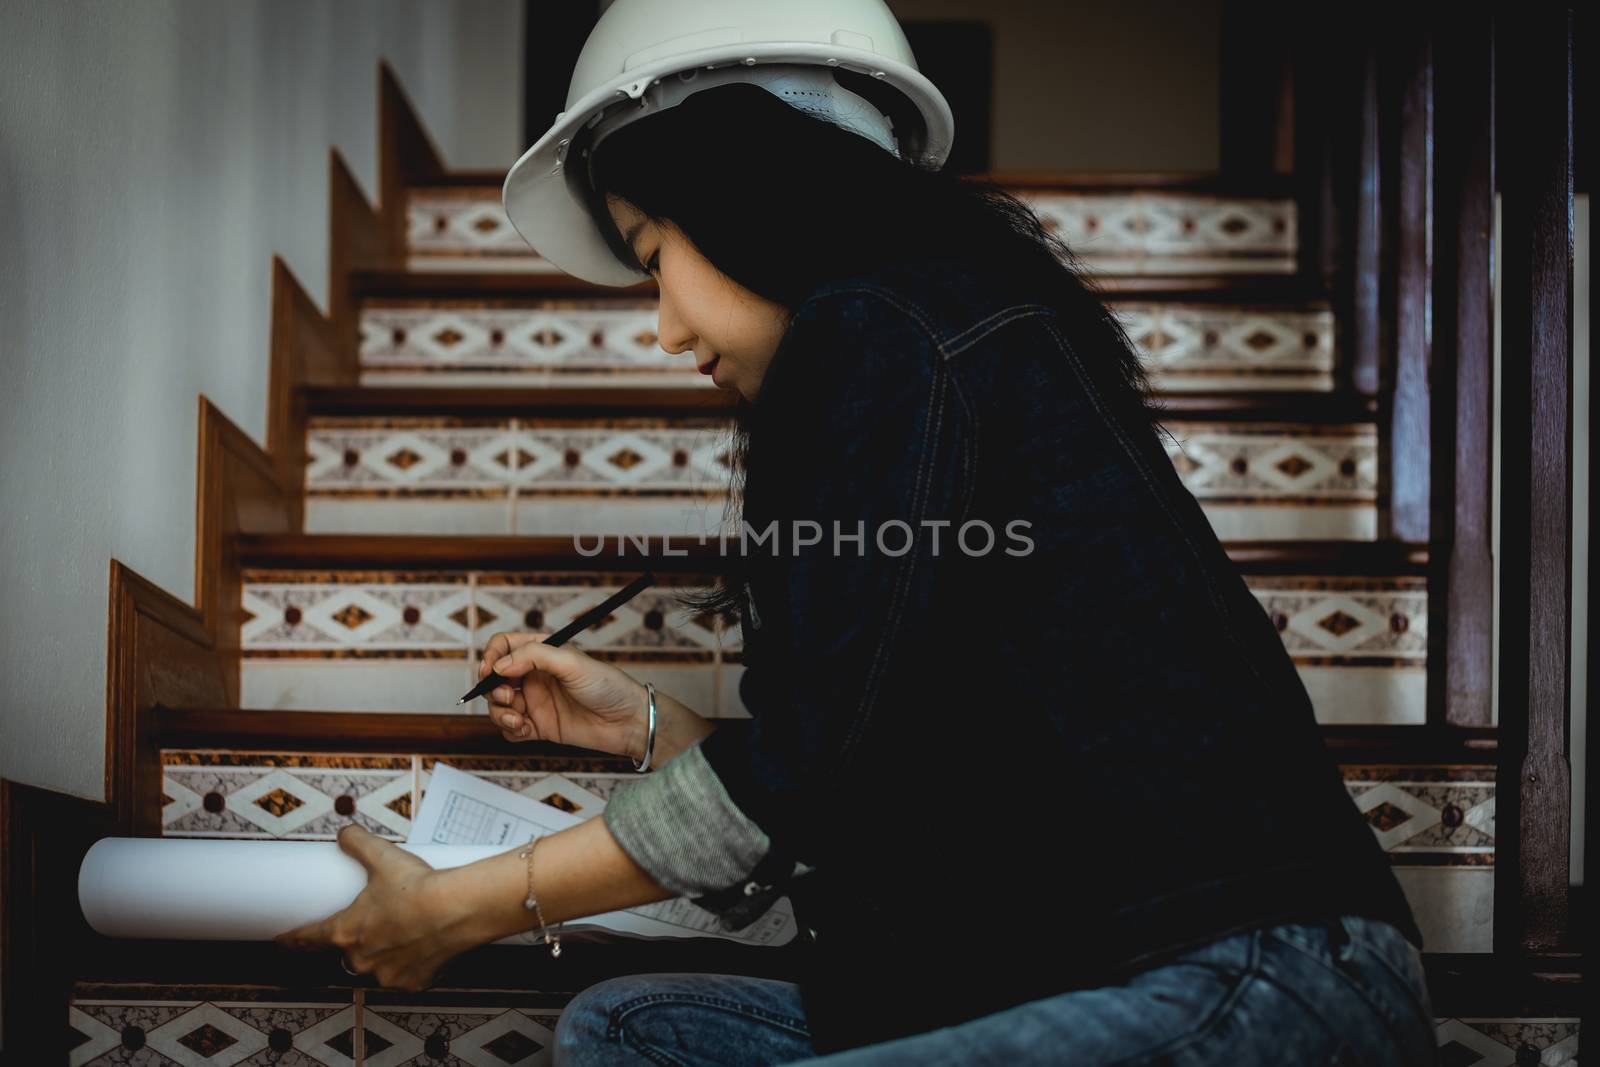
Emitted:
<point x="781" y="202"/>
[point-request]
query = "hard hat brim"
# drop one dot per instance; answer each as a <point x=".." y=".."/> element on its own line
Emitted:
<point x="549" y="210"/>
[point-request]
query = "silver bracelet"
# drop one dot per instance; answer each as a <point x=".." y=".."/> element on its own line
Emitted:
<point x="650" y="730"/>
<point x="532" y="902"/>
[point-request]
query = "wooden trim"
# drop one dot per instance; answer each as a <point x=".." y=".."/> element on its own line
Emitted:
<point x="517" y="400"/>
<point x="247" y="730"/>
<point x="43" y="936"/>
<point x="1328" y="408"/>
<point x="1351" y="745"/>
<point x="1208" y="183"/>
<point x="489" y="283"/>
<point x="1533" y="54"/>
<point x="1364" y="339"/>
<point x="348" y="731"/>
<point x="688" y="400"/>
<point x="1405" y="119"/>
<point x="583" y="962"/>
<point x="357" y="240"/>
<point x="684" y="554"/>
<point x="1461" y="594"/>
<point x="304" y="349"/>
<point x="406" y="156"/>
<point x="1480" y="985"/>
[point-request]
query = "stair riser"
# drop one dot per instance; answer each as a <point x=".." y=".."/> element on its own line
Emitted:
<point x="564" y="342"/>
<point x="476" y="1027"/>
<point x="365" y="641"/>
<point x="564" y="476"/>
<point x="1114" y="233"/>
<point x="1436" y="823"/>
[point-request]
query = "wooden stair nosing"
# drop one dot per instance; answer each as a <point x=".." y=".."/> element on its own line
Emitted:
<point x="681" y="554"/>
<point x="488" y="967"/>
<point x="1244" y="187"/>
<point x="1266" y="290"/>
<point x="1342" y="407"/>
<point x="566" y="401"/>
<point x="400" y="733"/>
<point x="1460" y="985"/>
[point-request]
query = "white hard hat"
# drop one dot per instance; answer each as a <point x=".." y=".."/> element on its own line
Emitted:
<point x="644" y="56"/>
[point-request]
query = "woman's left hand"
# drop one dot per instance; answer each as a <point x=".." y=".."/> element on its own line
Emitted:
<point x="400" y="928"/>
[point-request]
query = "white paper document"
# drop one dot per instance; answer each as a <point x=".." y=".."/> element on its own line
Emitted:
<point x="463" y="809"/>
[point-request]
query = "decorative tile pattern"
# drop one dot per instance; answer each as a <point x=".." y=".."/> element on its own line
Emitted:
<point x="289" y="797"/>
<point x="1251" y="463"/>
<point x="1348" y="621"/>
<point x="1145" y="232"/>
<point x="1442" y="816"/>
<point x="204" y="1026"/>
<point x="1272" y="482"/>
<point x="352" y="456"/>
<point x="466" y="228"/>
<point x="1507" y="1042"/>
<point x="412" y="641"/>
<point x="1231" y="348"/>
<point x="1153" y="232"/>
<point x="460" y="1035"/>
<point x="559" y="342"/>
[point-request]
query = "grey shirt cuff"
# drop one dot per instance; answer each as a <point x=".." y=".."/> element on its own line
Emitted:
<point x="680" y="825"/>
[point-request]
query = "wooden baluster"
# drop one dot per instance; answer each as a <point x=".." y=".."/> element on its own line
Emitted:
<point x="1533" y="54"/>
<point x="1461" y="579"/>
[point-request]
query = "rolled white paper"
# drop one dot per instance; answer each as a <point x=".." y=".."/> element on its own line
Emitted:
<point x="225" y="890"/>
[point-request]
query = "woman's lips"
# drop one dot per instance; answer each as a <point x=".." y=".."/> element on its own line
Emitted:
<point x="711" y="369"/>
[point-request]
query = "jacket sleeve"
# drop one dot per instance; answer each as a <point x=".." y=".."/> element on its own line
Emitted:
<point x="872" y="444"/>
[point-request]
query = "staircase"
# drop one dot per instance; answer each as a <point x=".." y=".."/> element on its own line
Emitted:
<point x="463" y="409"/>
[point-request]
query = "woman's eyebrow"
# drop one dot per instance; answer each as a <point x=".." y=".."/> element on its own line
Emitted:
<point x="633" y="231"/>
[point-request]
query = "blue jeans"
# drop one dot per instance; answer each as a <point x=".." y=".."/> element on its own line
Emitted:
<point x="1319" y="994"/>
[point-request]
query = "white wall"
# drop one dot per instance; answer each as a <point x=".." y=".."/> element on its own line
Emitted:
<point x="153" y="157"/>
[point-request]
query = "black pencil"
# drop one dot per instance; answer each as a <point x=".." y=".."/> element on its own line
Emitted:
<point x="571" y="629"/>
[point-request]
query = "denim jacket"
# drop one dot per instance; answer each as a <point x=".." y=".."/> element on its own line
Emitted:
<point x="1051" y="739"/>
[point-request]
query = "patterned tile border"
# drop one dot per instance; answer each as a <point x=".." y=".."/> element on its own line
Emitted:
<point x="355" y="614"/>
<point x="1171" y="233"/>
<point x="1507" y="1042"/>
<point x="1430" y="815"/>
<point x="1224" y="348"/>
<point x="1338" y="622"/>
<point x="1149" y="232"/>
<point x="351" y="458"/>
<point x="191" y="1025"/>
<point x="149" y="1024"/>
<point x="311" y="796"/>
<point x="356" y="457"/>
<point x="1435" y="816"/>
<point x="567" y="342"/>
<point x="571" y="342"/>
<point x="1261" y="464"/>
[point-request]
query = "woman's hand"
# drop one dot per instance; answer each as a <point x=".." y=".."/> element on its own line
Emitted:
<point x="400" y="928"/>
<point x="563" y="695"/>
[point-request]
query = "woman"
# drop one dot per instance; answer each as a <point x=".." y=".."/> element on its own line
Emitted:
<point x="1049" y="794"/>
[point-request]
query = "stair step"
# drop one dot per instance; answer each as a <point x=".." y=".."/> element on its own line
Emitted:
<point x="1263" y="468"/>
<point x="1428" y="793"/>
<point x="490" y="1024"/>
<point x="565" y="342"/>
<point x="1142" y="232"/>
<point x="691" y="398"/>
<point x="377" y="624"/>
<point x="490" y="279"/>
